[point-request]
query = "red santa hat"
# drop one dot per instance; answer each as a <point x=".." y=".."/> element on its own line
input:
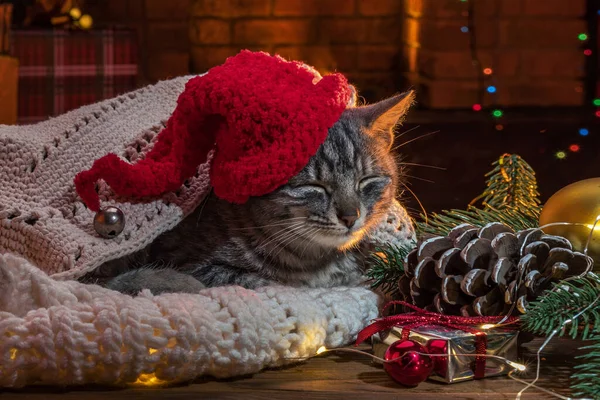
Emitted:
<point x="262" y="115"/>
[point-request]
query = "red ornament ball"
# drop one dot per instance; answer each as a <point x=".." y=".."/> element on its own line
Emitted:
<point x="440" y="363"/>
<point x="410" y="368"/>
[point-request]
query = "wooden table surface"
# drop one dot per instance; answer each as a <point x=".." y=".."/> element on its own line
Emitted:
<point x="337" y="376"/>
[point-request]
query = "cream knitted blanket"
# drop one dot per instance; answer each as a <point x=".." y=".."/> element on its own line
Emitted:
<point x="55" y="330"/>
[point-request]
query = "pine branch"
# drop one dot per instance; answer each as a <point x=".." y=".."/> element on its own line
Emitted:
<point x="510" y="197"/>
<point x="587" y="378"/>
<point x="387" y="267"/>
<point x="555" y="307"/>
<point x="441" y="224"/>
<point x="511" y="185"/>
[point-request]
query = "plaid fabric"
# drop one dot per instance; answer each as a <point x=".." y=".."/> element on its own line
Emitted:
<point x="61" y="70"/>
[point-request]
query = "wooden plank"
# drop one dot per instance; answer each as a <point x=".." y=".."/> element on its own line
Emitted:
<point x="335" y="376"/>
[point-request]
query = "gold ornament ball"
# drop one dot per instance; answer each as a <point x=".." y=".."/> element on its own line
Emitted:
<point x="577" y="203"/>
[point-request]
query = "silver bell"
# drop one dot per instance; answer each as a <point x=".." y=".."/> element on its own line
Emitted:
<point x="109" y="222"/>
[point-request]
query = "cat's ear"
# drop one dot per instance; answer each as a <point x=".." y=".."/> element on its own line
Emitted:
<point x="381" y="118"/>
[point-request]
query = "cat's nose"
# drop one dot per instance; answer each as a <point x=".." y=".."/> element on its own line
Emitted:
<point x="349" y="219"/>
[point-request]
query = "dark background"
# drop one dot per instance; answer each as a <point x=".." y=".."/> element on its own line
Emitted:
<point x="467" y="149"/>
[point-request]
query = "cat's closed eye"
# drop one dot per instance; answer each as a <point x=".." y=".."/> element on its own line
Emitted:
<point x="373" y="182"/>
<point x="303" y="190"/>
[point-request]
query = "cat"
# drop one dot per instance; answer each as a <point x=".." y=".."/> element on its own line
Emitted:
<point x="308" y="232"/>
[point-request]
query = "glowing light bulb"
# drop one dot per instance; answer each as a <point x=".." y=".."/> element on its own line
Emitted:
<point x="574" y="148"/>
<point x="587" y="52"/>
<point x="148" y="380"/>
<point x="598" y="113"/>
<point x="582" y="36"/>
<point x="487" y="326"/>
<point x="497" y="113"/>
<point x="464" y="29"/>
<point x="75" y="13"/>
<point x="499" y="127"/>
<point x="589" y="226"/>
<point x="85" y="22"/>
<point x="597" y="102"/>
<point x="491" y="89"/>
<point x="517" y="366"/>
<point x="561" y="155"/>
<point x="487" y="71"/>
<point x="321" y="349"/>
<point x="584" y="131"/>
<point x="476" y="107"/>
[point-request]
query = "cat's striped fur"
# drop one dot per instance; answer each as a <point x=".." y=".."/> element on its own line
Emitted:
<point x="307" y="232"/>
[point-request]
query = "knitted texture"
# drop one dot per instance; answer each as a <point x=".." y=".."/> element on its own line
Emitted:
<point x="68" y="333"/>
<point x="64" y="332"/>
<point x="41" y="216"/>
<point x="268" y="116"/>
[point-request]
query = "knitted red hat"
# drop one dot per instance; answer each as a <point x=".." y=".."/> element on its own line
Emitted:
<point x="264" y="117"/>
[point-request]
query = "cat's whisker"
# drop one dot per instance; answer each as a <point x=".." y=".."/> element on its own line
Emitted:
<point x="286" y="222"/>
<point x="412" y="140"/>
<point x="407" y="131"/>
<point x="284" y="242"/>
<point x="309" y="240"/>
<point x="281" y="233"/>
<point x="417" y="199"/>
<point x="418" y="178"/>
<point x="274" y="238"/>
<point x="422" y="165"/>
<point x="203" y="204"/>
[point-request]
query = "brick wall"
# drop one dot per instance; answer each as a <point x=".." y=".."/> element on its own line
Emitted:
<point x="162" y="27"/>
<point x="360" y="38"/>
<point x="531" y="45"/>
<point x="383" y="46"/>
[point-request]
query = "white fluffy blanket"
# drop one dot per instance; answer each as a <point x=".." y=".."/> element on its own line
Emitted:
<point x="63" y="333"/>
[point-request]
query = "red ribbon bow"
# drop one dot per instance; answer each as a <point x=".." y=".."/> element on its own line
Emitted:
<point x="422" y="317"/>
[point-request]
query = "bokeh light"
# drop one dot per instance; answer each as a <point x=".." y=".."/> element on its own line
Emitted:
<point x="584" y="131"/>
<point x="574" y="148"/>
<point x="491" y="89"/>
<point x="582" y="36"/>
<point x="487" y="71"/>
<point x="561" y="155"/>
<point x="477" y="107"/>
<point x="497" y="113"/>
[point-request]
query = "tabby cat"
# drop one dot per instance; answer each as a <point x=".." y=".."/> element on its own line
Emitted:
<point x="308" y="232"/>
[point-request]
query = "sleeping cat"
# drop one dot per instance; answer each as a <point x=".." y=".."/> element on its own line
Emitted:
<point x="308" y="232"/>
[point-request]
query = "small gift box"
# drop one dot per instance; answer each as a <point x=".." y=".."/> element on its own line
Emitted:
<point x="460" y="348"/>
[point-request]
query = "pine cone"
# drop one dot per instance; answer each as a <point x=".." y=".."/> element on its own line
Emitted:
<point x="483" y="271"/>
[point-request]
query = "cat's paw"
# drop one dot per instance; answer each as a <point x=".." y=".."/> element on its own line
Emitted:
<point x="158" y="281"/>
